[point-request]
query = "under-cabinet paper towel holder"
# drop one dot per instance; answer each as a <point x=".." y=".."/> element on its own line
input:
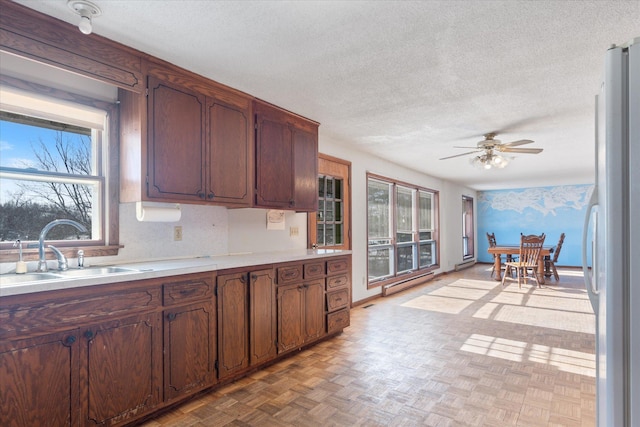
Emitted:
<point x="158" y="212"/>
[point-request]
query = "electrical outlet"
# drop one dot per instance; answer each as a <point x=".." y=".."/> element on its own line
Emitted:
<point x="294" y="231"/>
<point x="177" y="233"/>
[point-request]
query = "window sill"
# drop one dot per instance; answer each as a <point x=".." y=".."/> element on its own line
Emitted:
<point x="31" y="254"/>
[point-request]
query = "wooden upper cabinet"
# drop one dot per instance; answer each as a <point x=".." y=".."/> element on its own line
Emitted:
<point x="230" y="167"/>
<point x="286" y="159"/>
<point x="189" y="141"/>
<point x="176" y="148"/>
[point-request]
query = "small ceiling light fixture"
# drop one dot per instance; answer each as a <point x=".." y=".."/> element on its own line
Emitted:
<point x="87" y="12"/>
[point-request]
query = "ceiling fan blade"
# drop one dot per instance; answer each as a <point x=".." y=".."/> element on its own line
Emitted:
<point x="518" y="142"/>
<point x="463" y="154"/>
<point x="458" y="146"/>
<point x="521" y="150"/>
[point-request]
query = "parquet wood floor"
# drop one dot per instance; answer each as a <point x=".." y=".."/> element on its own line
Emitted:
<point x="458" y="351"/>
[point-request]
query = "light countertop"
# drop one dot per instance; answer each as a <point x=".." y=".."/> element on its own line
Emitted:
<point x="150" y="269"/>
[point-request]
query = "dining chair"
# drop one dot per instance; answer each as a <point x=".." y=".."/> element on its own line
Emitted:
<point x="491" y="238"/>
<point x="556" y="254"/>
<point x="530" y="247"/>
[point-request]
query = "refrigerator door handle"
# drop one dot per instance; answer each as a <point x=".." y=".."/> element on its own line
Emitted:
<point x="589" y="278"/>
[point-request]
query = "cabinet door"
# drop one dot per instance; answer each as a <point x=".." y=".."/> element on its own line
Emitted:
<point x="274" y="162"/>
<point x="233" y="323"/>
<point x="39" y="380"/>
<point x="305" y="148"/>
<point x="290" y="312"/>
<point x="176" y="149"/>
<point x="230" y="161"/>
<point x="262" y="305"/>
<point x="120" y="369"/>
<point x="313" y="310"/>
<point x="190" y="348"/>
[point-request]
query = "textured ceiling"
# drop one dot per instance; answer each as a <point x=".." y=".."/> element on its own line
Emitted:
<point x="406" y="81"/>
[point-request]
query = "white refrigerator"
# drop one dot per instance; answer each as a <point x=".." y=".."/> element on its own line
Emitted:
<point x="613" y="224"/>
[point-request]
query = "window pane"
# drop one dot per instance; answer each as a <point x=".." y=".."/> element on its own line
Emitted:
<point x="328" y="209"/>
<point x="425" y="211"/>
<point x="33" y="204"/>
<point x="321" y="187"/>
<point x="338" y="211"/>
<point x="339" y="239"/>
<point x="44" y="145"/>
<point x="427" y="254"/>
<point x="379" y="263"/>
<point x="320" y="236"/>
<point x="406" y="258"/>
<point x="425" y="235"/>
<point x="379" y="198"/>
<point x="338" y="189"/>
<point x="320" y="213"/>
<point x="329" y="189"/>
<point x="404" y="212"/>
<point x="328" y="235"/>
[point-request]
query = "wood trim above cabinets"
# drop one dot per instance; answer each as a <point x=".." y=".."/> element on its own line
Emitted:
<point x="40" y="37"/>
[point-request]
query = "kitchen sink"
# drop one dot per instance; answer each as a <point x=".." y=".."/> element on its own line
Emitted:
<point x="93" y="271"/>
<point x="17" y="279"/>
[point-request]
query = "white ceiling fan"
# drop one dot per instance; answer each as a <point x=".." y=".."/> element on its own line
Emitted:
<point x="490" y="150"/>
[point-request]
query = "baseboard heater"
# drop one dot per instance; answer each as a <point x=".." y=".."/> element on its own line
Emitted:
<point x="465" y="264"/>
<point x="401" y="286"/>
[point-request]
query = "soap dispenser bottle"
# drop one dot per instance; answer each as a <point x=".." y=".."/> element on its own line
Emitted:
<point x="21" y="266"/>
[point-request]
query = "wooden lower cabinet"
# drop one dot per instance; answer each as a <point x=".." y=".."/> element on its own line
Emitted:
<point x="190" y="335"/>
<point x="120" y="369"/>
<point x="246" y="320"/>
<point x="301" y="316"/>
<point x="190" y="349"/>
<point x="39" y="381"/>
<point x="111" y="354"/>
<point x="233" y="323"/>
<point x="262" y="317"/>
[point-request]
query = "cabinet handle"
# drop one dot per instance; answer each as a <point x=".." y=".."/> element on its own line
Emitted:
<point x="292" y="202"/>
<point x="254" y="277"/>
<point x="69" y="340"/>
<point x="211" y="195"/>
<point x="243" y="280"/>
<point x="201" y="195"/>
<point x="88" y="335"/>
<point x="171" y="316"/>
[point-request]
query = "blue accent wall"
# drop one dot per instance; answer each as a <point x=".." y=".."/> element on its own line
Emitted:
<point x="549" y="210"/>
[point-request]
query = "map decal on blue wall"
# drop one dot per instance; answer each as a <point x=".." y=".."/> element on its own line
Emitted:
<point x="549" y="210"/>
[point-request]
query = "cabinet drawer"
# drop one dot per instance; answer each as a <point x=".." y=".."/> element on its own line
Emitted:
<point x="338" y="320"/>
<point x="337" y="299"/>
<point x="337" y="282"/>
<point x="187" y="290"/>
<point x="48" y="315"/>
<point x="314" y="269"/>
<point x="289" y="274"/>
<point x="338" y="265"/>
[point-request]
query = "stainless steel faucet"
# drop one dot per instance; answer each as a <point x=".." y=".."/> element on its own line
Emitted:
<point x="62" y="261"/>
